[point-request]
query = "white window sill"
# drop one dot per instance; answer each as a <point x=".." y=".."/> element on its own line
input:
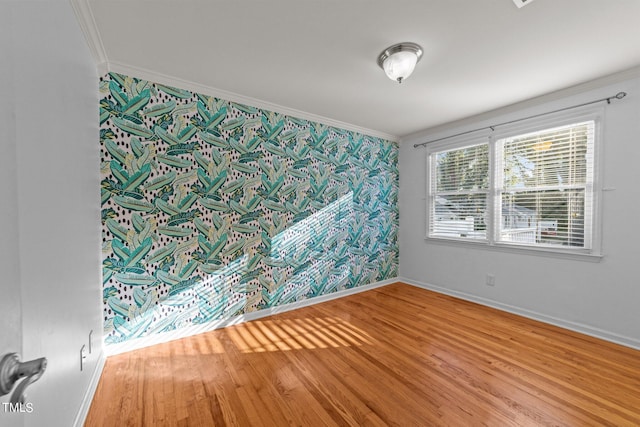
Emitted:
<point x="576" y="254"/>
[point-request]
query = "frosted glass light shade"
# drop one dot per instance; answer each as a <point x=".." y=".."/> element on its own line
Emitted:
<point x="400" y="65"/>
<point x="399" y="60"/>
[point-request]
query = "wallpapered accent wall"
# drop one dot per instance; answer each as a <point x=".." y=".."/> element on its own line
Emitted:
<point x="212" y="209"/>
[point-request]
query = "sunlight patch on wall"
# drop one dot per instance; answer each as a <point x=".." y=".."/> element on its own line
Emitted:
<point x="213" y="209"/>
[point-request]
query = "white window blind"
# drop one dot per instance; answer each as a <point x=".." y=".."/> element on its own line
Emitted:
<point x="459" y="192"/>
<point x="534" y="188"/>
<point x="546" y="180"/>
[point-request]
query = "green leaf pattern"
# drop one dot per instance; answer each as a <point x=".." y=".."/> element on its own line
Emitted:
<point x="212" y="209"/>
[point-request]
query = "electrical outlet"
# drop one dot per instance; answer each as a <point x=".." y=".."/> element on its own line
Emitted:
<point x="491" y="280"/>
<point x="83" y="357"/>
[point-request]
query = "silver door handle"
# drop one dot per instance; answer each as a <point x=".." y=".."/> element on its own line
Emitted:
<point x="12" y="370"/>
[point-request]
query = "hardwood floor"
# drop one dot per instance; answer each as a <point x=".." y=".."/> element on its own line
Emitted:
<point x="396" y="355"/>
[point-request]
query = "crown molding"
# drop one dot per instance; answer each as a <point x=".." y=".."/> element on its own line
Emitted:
<point x="86" y="20"/>
<point x="88" y="26"/>
<point x="164" y="79"/>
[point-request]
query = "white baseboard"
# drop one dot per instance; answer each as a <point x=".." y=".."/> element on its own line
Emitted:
<point x="572" y="326"/>
<point x="112" y="349"/>
<point x="91" y="390"/>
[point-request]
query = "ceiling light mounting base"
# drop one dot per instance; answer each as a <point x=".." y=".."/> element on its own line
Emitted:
<point x="521" y="3"/>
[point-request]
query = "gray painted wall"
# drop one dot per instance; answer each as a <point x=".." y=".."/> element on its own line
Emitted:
<point x="599" y="298"/>
<point x="52" y="229"/>
<point x="10" y="308"/>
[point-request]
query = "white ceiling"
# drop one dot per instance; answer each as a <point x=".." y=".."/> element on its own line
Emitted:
<point x="319" y="57"/>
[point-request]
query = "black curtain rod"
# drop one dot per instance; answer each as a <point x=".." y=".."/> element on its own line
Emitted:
<point x="618" y="95"/>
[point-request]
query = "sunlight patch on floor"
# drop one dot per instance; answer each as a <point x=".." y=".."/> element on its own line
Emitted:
<point x="297" y="334"/>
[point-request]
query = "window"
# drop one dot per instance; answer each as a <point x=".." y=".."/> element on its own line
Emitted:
<point x="460" y="191"/>
<point x="530" y="187"/>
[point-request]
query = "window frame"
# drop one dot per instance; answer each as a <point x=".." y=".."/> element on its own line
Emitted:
<point x="452" y="145"/>
<point x="492" y="137"/>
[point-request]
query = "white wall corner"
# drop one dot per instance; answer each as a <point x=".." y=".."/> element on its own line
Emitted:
<point x="81" y="416"/>
<point x="87" y="23"/>
<point x="102" y="68"/>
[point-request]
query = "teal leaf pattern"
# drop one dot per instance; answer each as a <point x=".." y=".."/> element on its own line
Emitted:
<point x="213" y="209"/>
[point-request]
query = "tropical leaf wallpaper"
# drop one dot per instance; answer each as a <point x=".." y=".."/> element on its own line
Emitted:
<point x="212" y="209"/>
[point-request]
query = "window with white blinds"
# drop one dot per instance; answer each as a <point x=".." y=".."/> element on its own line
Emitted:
<point x="460" y="189"/>
<point x="546" y="186"/>
<point x="534" y="189"/>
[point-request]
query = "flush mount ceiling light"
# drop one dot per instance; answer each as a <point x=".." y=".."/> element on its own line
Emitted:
<point x="399" y="60"/>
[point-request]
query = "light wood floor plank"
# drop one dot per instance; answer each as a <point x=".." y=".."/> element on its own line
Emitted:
<point x="396" y="355"/>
